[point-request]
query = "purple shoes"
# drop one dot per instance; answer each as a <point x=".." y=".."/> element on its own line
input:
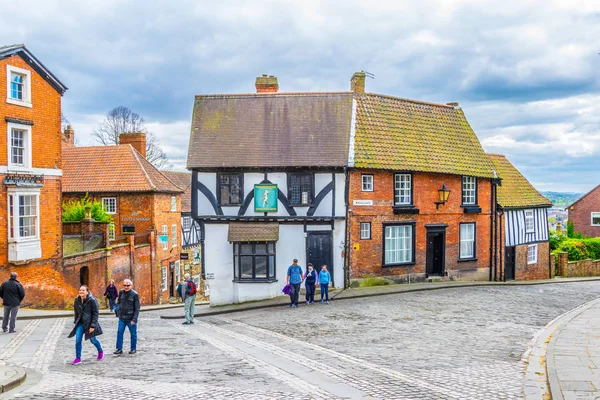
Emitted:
<point x="100" y="356"/>
<point x="76" y="361"/>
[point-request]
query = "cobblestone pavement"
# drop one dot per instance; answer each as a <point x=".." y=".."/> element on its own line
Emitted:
<point x="464" y="343"/>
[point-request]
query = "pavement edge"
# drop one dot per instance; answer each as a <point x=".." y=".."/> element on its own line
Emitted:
<point x="14" y="381"/>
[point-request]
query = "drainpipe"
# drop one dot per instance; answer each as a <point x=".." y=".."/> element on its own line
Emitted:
<point x="501" y="247"/>
<point x="495" y="200"/>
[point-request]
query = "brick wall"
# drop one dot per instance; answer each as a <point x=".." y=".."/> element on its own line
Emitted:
<point x="164" y="257"/>
<point x="573" y="269"/>
<point x="580" y="213"/>
<point x="539" y="270"/>
<point x="366" y="255"/>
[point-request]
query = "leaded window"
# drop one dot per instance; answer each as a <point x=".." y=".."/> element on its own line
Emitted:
<point x="402" y="189"/>
<point x="300" y="189"/>
<point x="230" y="189"/>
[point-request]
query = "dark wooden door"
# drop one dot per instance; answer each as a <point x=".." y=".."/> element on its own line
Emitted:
<point x="509" y="263"/>
<point x="319" y="251"/>
<point x="436" y="246"/>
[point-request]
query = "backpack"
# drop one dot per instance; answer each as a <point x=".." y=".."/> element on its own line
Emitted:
<point x="192" y="286"/>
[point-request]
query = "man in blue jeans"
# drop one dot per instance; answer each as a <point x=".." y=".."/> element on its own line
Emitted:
<point x="294" y="279"/>
<point x="129" y="309"/>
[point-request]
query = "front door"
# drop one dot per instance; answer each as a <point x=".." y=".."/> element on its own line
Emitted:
<point x="436" y="246"/>
<point x="509" y="263"/>
<point x="319" y="251"/>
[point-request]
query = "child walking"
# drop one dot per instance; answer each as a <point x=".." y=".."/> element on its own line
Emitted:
<point x="324" y="280"/>
<point x="310" y="280"/>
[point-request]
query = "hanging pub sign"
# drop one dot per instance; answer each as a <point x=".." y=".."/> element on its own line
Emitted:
<point x="265" y="197"/>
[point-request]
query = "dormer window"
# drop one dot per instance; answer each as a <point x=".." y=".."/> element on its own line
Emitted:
<point x="18" y="89"/>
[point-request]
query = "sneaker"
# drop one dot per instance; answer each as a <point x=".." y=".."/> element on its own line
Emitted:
<point x="291" y="305"/>
<point x="327" y="302"/>
<point x="296" y="305"/>
<point x="191" y="322"/>
<point x="308" y="302"/>
<point x="321" y="300"/>
<point x="185" y="323"/>
<point x="12" y="331"/>
<point x="76" y="361"/>
<point x="4" y="330"/>
<point x="131" y="351"/>
<point x="118" y="352"/>
<point x="100" y="356"/>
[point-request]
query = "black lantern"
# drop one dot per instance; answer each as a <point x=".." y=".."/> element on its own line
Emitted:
<point x="443" y="195"/>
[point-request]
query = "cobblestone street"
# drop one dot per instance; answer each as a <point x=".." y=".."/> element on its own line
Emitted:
<point x="462" y="343"/>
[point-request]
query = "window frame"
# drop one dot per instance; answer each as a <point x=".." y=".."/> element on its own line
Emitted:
<point x="369" y="237"/>
<point x="111" y="231"/>
<point x="178" y="271"/>
<point x="475" y="190"/>
<point x="26" y="101"/>
<point x="14" y="226"/>
<point x="164" y="278"/>
<point x="27" y="153"/>
<point x="535" y="260"/>
<point x="474" y="244"/>
<point x="237" y="253"/>
<point x="394" y="189"/>
<point x="592" y="218"/>
<point x="372" y="183"/>
<point x="531" y="218"/>
<point x="174" y="235"/>
<point x="106" y="200"/>
<point x="413" y="243"/>
<point x="165" y="231"/>
<point x="311" y="197"/>
<point x="220" y="199"/>
<point x="186" y="220"/>
<point x="173" y="203"/>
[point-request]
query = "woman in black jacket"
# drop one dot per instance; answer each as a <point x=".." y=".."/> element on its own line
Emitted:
<point x="86" y="322"/>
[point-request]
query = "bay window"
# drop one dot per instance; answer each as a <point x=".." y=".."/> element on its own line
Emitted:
<point x="254" y="261"/>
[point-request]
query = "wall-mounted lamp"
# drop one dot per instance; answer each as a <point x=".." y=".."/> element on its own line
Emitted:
<point x="443" y="195"/>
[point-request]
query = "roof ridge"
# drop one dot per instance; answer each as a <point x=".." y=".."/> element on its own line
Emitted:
<point x="274" y="94"/>
<point x="387" y="96"/>
<point x="136" y="154"/>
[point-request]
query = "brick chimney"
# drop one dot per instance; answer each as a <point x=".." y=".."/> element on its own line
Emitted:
<point x="68" y="137"/>
<point x="267" y="84"/>
<point x="136" y="139"/>
<point x="357" y="82"/>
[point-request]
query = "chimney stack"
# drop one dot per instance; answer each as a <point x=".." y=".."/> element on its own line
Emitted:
<point x="68" y="137"/>
<point x="357" y="82"/>
<point x="267" y="84"/>
<point x="136" y="139"/>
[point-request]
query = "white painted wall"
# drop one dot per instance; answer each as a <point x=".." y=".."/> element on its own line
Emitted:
<point x="251" y="179"/>
<point x="210" y="181"/>
<point x="340" y="190"/>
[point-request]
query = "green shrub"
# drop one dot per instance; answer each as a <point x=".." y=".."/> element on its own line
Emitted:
<point x="74" y="210"/>
<point x="581" y="249"/>
<point x="374" y="282"/>
<point x="571" y="231"/>
<point x="555" y="239"/>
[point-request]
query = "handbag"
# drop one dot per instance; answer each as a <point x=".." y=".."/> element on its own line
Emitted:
<point x="286" y="289"/>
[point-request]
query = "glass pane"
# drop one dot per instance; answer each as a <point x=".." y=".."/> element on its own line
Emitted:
<point x="235" y="248"/>
<point x="271" y="266"/>
<point x="261" y="248"/>
<point x="246" y="249"/>
<point x="236" y="267"/>
<point x="246" y="264"/>
<point x="261" y="266"/>
<point x="224" y="194"/>
<point x="271" y="248"/>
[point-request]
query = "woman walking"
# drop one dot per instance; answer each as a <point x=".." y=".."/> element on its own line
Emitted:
<point x="310" y="280"/>
<point x="86" y="323"/>
<point x="111" y="294"/>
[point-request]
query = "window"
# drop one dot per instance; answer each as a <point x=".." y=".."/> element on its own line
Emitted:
<point x="529" y="221"/>
<point x="174" y="235"/>
<point x="300" y="189"/>
<point x="18" y="90"/>
<point x="178" y="271"/>
<point x="365" y="230"/>
<point x="532" y="251"/>
<point x="23" y="220"/>
<point x="128" y="229"/>
<point x="596" y="219"/>
<point x="230" y="189"/>
<point x="109" y="204"/>
<point x="367" y="183"/>
<point x="469" y="190"/>
<point x="164" y="278"/>
<point x="111" y="231"/>
<point x="173" y="203"/>
<point x="467" y="241"/>
<point x="398" y="244"/>
<point x="187" y="223"/>
<point x="254" y="261"/>
<point x="19" y="145"/>
<point x="165" y="235"/>
<point x="402" y="189"/>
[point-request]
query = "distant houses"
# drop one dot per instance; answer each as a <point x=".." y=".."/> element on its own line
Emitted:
<point x="585" y="213"/>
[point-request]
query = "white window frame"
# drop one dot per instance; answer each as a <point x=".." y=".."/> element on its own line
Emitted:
<point x="186" y="223"/>
<point x="469" y="194"/>
<point x="367" y="182"/>
<point x="174" y="235"/>
<point x="27" y="163"/>
<point x="13" y="219"/>
<point x="165" y="232"/>
<point x="466" y="240"/>
<point x="173" y="203"/>
<point x="111" y="231"/>
<point x="26" y="102"/>
<point x="365" y="230"/>
<point x="402" y="189"/>
<point x="178" y="271"/>
<point x="106" y="202"/>
<point x="529" y="221"/>
<point x="394" y="246"/>
<point x="532" y="254"/>
<point x="594" y="214"/>
<point x="165" y="278"/>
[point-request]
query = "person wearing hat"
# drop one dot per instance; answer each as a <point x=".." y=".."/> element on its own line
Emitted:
<point x="294" y="279"/>
<point x="310" y="282"/>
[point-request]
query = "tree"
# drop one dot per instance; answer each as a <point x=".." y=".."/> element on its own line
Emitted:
<point x="122" y="120"/>
<point x="74" y="210"/>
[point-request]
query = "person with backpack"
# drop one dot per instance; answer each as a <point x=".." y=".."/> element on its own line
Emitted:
<point x="188" y="294"/>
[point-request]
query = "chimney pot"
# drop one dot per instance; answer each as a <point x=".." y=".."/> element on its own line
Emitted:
<point x="69" y="137"/>
<point x="267" y="84"/>
<point x="136" y="139"/>
<point x="357" y="82"/>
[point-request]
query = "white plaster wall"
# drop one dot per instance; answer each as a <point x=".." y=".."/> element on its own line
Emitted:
<point x="280" y="178"/>
<point x="339" y="237"/>
<point x="210" y="181"/>
<point x="321" y="180"/>
<point x="218" y="260"/>
<point x="230" y="211"/>
<point x="251" y="179"/>
<point x="340" y="190"/>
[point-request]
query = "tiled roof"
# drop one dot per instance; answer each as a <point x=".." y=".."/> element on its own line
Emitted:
<point x="270" y="130"/>
<point x="516" y="191"/>
<point x="253" y="232"/>
<point x="400" y="134"/>
<point x="111" y="169"/>
<point x="184" y="181"/>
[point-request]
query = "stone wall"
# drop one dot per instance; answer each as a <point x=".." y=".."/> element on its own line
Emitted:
<point x="573" y="269"/>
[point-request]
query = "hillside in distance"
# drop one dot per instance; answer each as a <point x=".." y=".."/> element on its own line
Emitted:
<point x="562" y="199"/>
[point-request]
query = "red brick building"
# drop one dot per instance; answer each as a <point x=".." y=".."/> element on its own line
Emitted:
<point x="30" y="172"/>
<point x="405" y="157"/>
<point x="585" y="213"/>
<point x="141" y="199"/>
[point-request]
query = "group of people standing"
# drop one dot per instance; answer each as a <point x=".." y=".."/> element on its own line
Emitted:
<point x="311" y="279"/>
<point x="126" y="305"/>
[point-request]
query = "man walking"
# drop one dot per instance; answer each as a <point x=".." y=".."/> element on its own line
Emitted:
<point x="188" y="293"/>
<point x="129" y="309"/>
<point x="294" y="279"/>
<point x="12" y="294"/>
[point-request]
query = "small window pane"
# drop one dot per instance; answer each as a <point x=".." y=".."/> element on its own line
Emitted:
<point x="365" y="230"/>
<point x="596" y="218"/>
<point x="367" y="183"/>
<point x="236" y="267"/>
<point x="300" y="190"/>
<point x="246" y="263"/>
<point x="246" y="249"/>
<point x="402" y="189"/>
<point x="261" y="267"/>
<point x="271" y="266"/>
<point x="271" y="248"/>
<point x="261" y="248"/>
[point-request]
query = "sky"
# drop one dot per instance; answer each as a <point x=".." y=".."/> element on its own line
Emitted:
<point x="526" y="73"/>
